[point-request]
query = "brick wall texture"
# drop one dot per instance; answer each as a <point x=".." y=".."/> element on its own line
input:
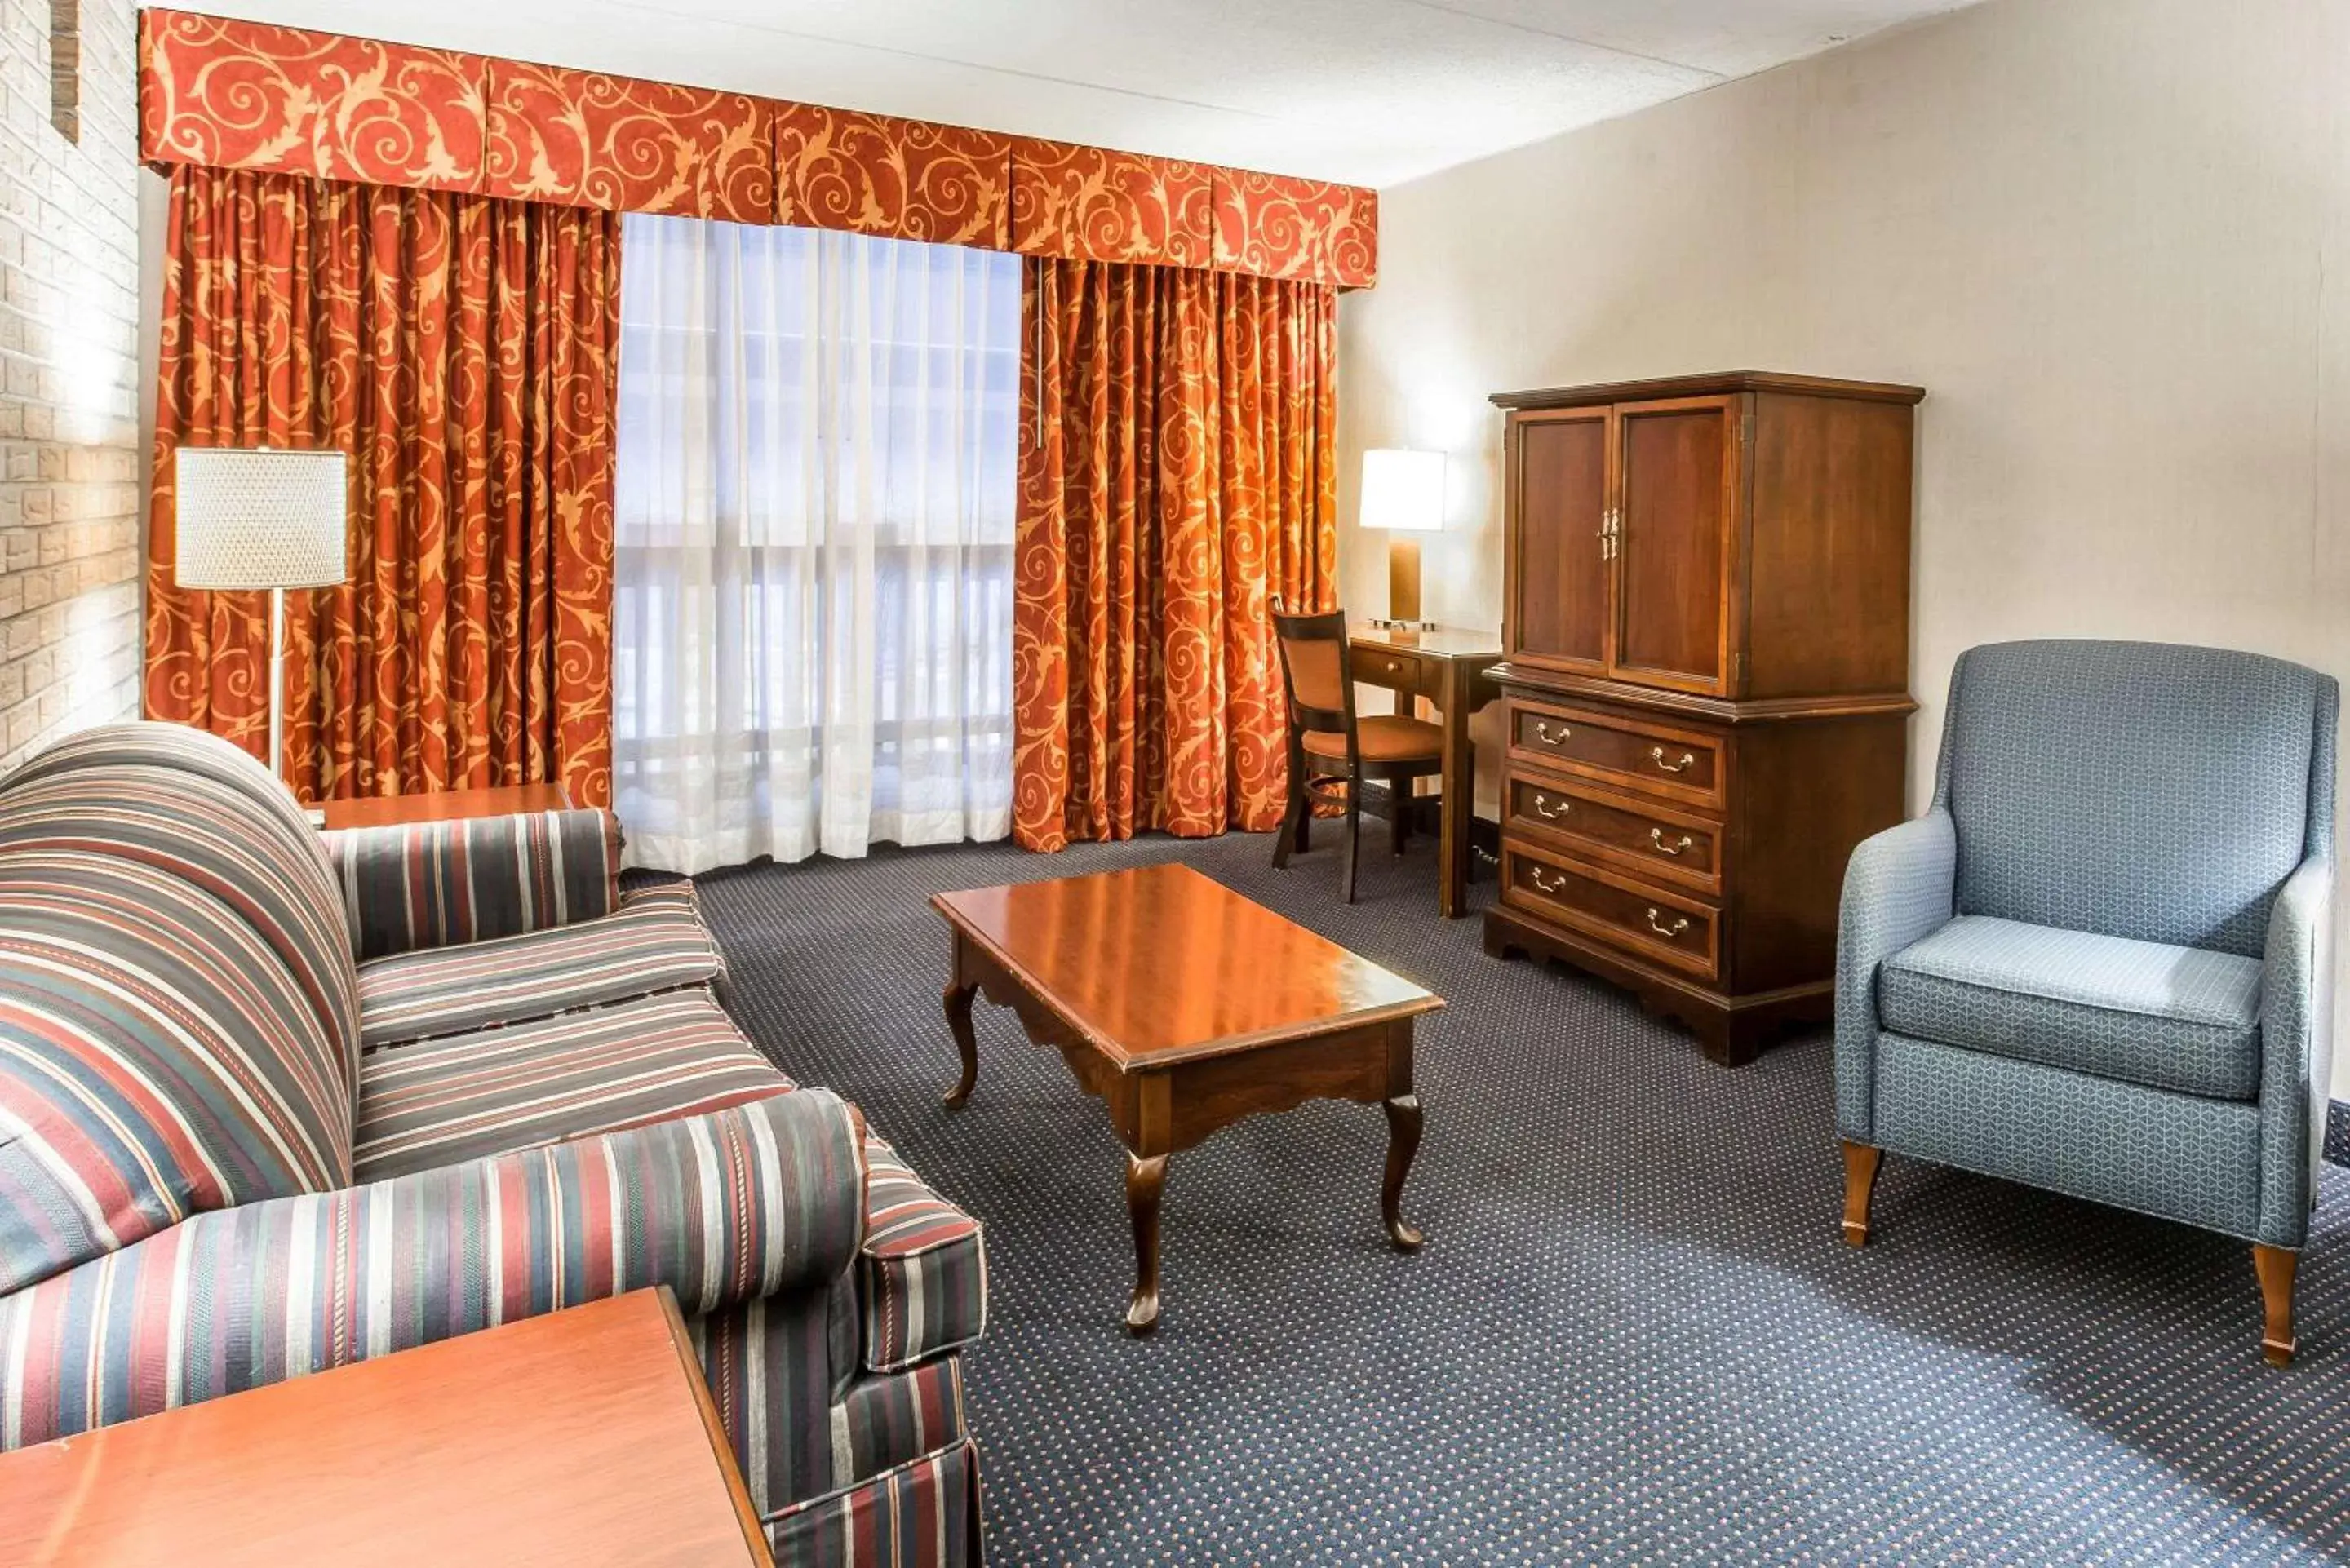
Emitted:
<point x="69" y="460"/>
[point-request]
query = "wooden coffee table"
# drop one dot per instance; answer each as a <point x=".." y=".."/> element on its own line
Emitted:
<point x="1185" y="1007"/>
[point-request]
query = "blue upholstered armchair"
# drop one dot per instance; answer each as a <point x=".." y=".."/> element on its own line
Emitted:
<point x="2102" y="963"/>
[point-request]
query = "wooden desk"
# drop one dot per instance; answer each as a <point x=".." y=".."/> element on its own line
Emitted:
<point x="446" y="805"/>
<point x="1448" y="667"/>
<point x="586" y="1436"/>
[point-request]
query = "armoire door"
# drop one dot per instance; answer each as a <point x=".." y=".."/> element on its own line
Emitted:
<point x="1676" y="529"/>
<point x="1559" y="612"/>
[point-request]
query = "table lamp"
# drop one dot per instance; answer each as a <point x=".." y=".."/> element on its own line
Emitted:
<point x="260" y="517"/>
<point x="1403" y="493"/>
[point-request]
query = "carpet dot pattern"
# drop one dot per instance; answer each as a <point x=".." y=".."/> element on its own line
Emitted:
<point x="1635" y="1335"/>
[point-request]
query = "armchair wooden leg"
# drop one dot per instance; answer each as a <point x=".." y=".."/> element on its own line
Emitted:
<point x="2275" y="1267"/>
<point x="1859" y="1186"/>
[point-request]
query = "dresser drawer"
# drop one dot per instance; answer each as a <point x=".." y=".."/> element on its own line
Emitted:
<point x="1668" y="928"/>
<point x="1624" y="751"/>
<point x="1646" y="837"/>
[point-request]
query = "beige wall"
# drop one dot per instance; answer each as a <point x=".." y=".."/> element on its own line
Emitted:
<point x="2108" y="236"/>
<point x="70" y="448"/>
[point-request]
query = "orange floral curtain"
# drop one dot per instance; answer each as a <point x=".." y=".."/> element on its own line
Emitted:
<point x="1177" y="472"/>
<point x="461" y="350"/>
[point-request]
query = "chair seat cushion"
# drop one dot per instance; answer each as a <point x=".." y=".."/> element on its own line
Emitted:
<point x="655" y="942"/>
<point x="1383" y="738"/>
<point x="659" y="1058"/>
<point x="2145" y="1013"/>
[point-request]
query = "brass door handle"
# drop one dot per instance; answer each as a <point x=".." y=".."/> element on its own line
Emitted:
<point x="1544" y="808"/>
<point x="1662" y="929"/>
<point x="1535" y="873"/>
<point x="1657" y="755"/>
<point x="1542" y="733"/>
<point x="1657" y="842"/>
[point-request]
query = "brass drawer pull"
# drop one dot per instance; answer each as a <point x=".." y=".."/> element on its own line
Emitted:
<point x="1542" y="733"/>
<point x="1662" y="929"/>
<point x="1535" y="873"/>
<point x="1545" y="809"/>
<point x="1657" y="755"/>
<point x="1657" y="842"/>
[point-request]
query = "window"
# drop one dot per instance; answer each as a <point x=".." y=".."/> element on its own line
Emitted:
<point x="814" y="505"/>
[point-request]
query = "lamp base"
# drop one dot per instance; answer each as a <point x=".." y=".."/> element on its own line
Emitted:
<point x="1403" y="578"/>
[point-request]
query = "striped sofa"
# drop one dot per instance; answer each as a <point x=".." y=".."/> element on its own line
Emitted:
<point x="272" y="1101"/>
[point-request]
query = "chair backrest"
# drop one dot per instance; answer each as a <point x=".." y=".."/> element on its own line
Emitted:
<point x="1315" y="670"/>
<point x="2136" y="789"/>
<point x="178" y="1000"/>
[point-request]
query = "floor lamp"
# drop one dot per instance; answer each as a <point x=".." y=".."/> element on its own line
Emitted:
<point x="261" y="517"/>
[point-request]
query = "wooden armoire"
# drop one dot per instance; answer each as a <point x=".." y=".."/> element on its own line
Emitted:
<point x="1707" y="635"/>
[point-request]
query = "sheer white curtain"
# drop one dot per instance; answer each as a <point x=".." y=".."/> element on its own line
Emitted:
<point x="812" y="617"/>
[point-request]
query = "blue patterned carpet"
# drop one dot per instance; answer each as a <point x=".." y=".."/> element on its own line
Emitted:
<point x="1635" y="1335"/>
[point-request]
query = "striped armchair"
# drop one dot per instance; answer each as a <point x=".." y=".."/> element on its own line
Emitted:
<point x="2101" y="963"/>
<point x="273" y="1101"/>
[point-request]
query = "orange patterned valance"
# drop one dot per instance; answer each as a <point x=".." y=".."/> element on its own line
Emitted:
<point x="241" y="95"/>
<point x="903" y="179"/>
<point x="245" y="95"/>
<point x="1090" y="204"/>
<point x="584" y="140"/>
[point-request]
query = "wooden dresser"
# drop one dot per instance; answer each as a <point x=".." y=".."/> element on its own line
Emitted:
<point x="1706" y="635"/>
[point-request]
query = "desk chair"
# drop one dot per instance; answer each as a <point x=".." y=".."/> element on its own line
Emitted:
<point x="1332" y="752"/>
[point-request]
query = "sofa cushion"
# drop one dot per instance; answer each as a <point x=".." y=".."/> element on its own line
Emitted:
<point x="449" y="882"/>
<point x="659" y="1058"/>
<point x="886" y="1418"/>
<point x="2144" y="1012"/>
<point x="925" y="1267"/>
<point x="157" y="1059"/>
<point x="655" y="942"/>
<point x="206" y="832"/>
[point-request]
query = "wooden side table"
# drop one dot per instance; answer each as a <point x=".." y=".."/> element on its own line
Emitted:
<point x="585" y="1436"/>
<point x="445" y="805"/>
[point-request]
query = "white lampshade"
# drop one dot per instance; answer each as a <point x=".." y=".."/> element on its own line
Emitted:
<point x="257" y="518"/>
<point x="1403" y="489"/>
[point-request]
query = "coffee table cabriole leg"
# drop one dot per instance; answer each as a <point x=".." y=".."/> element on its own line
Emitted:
<point x="960" y="989"/>
<point x="1147" y="1128"/>
<point x="1403" y="1138"/>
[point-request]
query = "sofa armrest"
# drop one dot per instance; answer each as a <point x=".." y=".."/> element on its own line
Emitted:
<point x="757" y="1200"/>
<point x="1898" y="888"/>
<point x="2296" y="1049"/>
<point x="439" y="884"/>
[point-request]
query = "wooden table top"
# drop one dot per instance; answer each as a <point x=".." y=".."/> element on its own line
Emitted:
<point x="585" y="1436"/>
<point x="1438" y="642"/>
<point x="444" y="806"/>
<point x="1160" y="964"/>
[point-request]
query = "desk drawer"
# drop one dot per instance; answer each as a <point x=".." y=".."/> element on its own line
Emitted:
<point x="1668" y="928"/>
<point x="1394" y="669"/>
<point x="1644" y="836"/>
<point x="1622" y="751"/>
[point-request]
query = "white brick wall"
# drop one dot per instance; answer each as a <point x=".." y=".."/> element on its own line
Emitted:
<point x="70" y="464"/>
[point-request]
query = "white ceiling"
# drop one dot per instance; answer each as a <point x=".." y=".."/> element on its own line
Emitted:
<point x="1372" y="92"/>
